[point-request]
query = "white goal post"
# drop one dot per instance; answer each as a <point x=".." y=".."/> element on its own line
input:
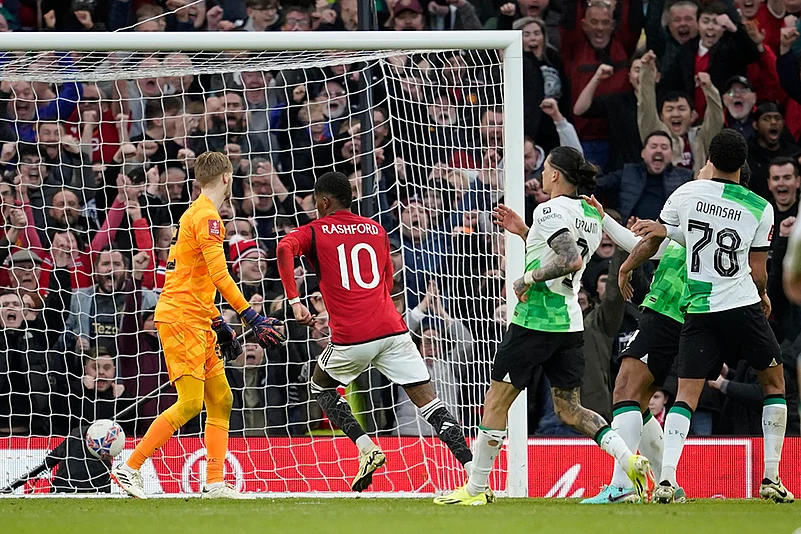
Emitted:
<point x="321" y="46"/>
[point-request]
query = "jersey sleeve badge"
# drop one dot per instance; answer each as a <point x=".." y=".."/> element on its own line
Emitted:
<point x="214" y="227"/>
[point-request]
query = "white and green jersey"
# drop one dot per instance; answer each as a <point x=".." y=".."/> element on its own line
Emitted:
<point x="722" y="222"/>
<point x="667" y="292"/>
<point x="553" y="306"/>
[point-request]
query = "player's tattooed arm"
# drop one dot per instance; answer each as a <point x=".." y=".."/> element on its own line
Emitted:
<point x="642" y="252"/>
<point x="568" y="260"/>
<point x="567" y="406"/>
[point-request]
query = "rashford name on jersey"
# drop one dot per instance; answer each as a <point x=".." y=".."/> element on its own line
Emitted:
<point x="362" y="228"/>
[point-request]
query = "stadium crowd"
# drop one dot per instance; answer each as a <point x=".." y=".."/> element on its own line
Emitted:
<point x="95" y="174"/>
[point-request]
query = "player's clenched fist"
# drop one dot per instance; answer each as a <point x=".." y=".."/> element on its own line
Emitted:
<point x="302" y="314"/>
<point x="265" y="328"/>
<point x="230" y="347"/>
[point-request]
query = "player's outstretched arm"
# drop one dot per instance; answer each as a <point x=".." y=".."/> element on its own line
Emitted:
<point x="568" y="260"/>
<point x="288" y="249"/>
<point x="619" y="234"/>
<point x="214" y="255"/>
<point x="212" y="249"/>
<point x="266" y="329"/>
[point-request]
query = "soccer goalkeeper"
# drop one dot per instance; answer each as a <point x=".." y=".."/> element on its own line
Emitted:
<point x="194" y="335"/>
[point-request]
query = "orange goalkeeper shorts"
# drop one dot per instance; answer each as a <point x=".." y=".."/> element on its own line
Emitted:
<point x="190" y="351"/>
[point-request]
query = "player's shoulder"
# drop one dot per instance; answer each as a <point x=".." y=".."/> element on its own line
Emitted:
<point x="201" y="216"/>
<point x="555" y="208"/>
<point x="690" y="190"/>
<point x="202" y="209"/>
<point x="588" y="211"/>
<point x="693" y="186"/>
<point x="747" y="199"/>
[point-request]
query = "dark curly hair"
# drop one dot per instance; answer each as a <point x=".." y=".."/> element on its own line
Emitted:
<point x="728" y="151"/>
<point x="335" y="185"/>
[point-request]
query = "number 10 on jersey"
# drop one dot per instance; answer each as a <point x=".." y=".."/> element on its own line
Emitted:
<point x="355" y="269"/>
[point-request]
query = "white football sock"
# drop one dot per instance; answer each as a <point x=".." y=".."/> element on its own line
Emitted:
<point x="677" y="426"/>
<point x="611" y="442"/>
<point x="774" y="424"/>
<point x="651" y="444"/>
<point x="627" y="422"/>
<point x="484" y="455"/>
<point x="365" y="444"/>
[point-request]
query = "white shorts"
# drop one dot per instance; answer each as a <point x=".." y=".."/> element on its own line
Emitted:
<point x="396" y="357"/>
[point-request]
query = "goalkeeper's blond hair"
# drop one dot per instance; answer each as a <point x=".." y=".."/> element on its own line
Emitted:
<point x="210" y="166"/>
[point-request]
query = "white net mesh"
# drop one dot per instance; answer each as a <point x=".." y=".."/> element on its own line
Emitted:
<point x="97" y="160"/>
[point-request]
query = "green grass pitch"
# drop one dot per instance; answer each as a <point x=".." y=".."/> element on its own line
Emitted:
<point x="380" y="516"/>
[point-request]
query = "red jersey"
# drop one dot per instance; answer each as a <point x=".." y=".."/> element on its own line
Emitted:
<point x="350" y="254"/>
<point x="105" y="136"/>
<point x="772" y="26"/>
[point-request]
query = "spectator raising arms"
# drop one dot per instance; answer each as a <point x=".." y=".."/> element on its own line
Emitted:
<point x="625" y="146"/>
<point x="675" y="116"/>
<point x="666" y="42"/>
<point x="722" y="48"/>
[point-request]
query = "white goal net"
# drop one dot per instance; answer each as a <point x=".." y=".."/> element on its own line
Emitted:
<point x="97" y="166"/>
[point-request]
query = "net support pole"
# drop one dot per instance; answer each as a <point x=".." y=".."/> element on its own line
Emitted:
<point x="368" y="21"/>
<point x="514" y="172"/>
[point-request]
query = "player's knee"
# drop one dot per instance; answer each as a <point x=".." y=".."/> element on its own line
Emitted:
<point x="226" y="402"/>
<point x="421" y="394"/>
<point x="190" y="408"/>
<point x="183" y="411"/>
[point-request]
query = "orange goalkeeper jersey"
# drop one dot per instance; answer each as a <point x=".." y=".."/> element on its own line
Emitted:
<point x="196" y="269"/>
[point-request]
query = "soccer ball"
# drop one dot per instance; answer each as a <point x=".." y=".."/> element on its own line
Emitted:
<point x="105" y="439"/>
